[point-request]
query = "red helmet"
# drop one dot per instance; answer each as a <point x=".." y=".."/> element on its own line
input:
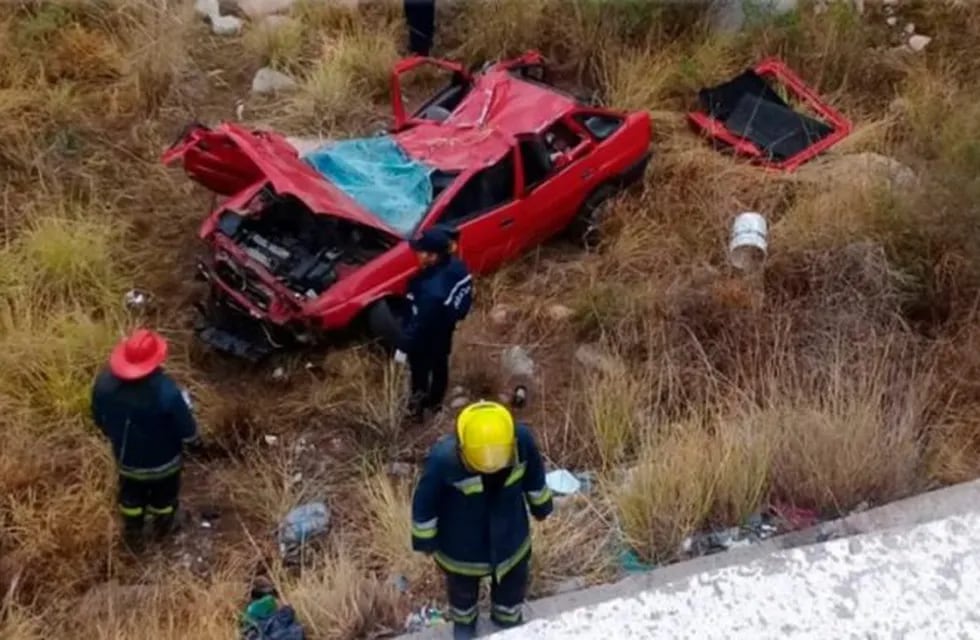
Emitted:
<point x="138" y="355"/>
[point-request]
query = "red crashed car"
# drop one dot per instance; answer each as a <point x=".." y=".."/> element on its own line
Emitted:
<point x="304" y="245"/>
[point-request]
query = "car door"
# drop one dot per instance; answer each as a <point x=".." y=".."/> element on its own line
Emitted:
<point x="558" y="176"/>
<point x="485" y="212"/>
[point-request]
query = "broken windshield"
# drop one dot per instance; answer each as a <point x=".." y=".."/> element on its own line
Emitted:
<point x="384" y="180"/>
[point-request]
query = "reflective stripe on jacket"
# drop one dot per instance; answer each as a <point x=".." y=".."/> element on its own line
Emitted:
<point x="469" y="531"/>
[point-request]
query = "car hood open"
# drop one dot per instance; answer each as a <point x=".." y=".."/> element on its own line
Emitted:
<point x="228" y="158"/>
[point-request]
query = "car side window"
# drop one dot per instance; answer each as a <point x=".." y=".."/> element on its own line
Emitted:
<point x="536" y="161"/>
<point x="600" y="125"/>
<point x="486" y="190"/>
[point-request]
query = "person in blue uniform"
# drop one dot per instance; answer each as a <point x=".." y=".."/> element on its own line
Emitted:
<point x="148" y="421"/>
<point x="440" y="296"/>
<point x="470" y="512"/>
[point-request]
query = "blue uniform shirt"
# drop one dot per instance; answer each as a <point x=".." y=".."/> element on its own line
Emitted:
<point x="439" y="296"/>
<point x="146" y="420"/>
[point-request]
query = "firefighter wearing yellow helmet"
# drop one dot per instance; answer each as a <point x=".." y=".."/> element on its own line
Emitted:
<point x="470" y="511"/>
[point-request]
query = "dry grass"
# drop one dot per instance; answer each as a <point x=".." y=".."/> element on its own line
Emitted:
<point x="814" y="384"/>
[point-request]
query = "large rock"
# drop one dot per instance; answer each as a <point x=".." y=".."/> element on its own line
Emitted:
<point x="207" y="8"/>
<point x="731" y="15"/>
<point x="854" y="168"/>
<point x="226" y="25"/>
<point x="269" y="80"/>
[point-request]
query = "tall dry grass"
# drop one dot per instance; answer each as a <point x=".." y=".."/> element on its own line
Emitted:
<point x="813" y="384"/>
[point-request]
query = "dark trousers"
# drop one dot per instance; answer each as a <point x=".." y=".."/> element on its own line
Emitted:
<point x="157" y="498"/>
<point x="506" y="598"/>
<point x="421" y="18"/>
<point x="430" y="378"/>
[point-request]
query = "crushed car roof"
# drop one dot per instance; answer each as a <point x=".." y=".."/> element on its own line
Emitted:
<point x="481" y="129"/>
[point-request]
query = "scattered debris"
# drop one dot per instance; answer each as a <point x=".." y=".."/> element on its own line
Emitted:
<point x="225" y="25"/>
<point x="748" y="247"/>
<point x="918" y="42"/>
<point x="268" y="80"/>
<point x="559" y="312"/>
<point x="891" y="21"/>
<point x="630" y="562"/>
<point x="459" y="402"/>
<point x="135" y="300"/>
<point x="205" y="524"/>
<point x="519" y="397"/>
<point x="516" y="362"/>
<point x="297" y="477"/>
<point x="592" y="357"/>
<point x="910" y="28"/>
<point x="425" y="618"/>
<point x="792" y="518"/>
<point x="271" y="440"/>
<point x="562" y="482"/>
<point x="301" y="525"/>
<point x="400" y="469"/>
<point x="278" y="374"/>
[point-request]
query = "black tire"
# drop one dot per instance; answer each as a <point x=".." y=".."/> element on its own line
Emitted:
<point x="585" y="229"/>
<point x="383" y="324"/>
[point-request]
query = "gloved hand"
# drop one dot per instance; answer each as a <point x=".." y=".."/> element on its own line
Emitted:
<point x="401" y="357"/>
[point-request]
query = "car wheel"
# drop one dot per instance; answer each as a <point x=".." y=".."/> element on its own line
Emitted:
<point x="586" y="227"/>
<point x="383" y="324"/>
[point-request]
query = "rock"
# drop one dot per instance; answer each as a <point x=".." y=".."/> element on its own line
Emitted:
<point x="270" y="440"/>
<point x="258" y="8"/>
<point x="226" y="25"/>
<point x="732" y="15"/>
<point x="593" y="358"/>
<point x="459" y="402"/>
<point x="919" y="42"/>
<point x="559" y="312"/>
<point x="891" y="21"/>
<point x="501" y="314"/>
<point x="458" y="391"/>
<point x="517" y="363"/>
<point x="855" y="167"/>
<point x="269" y="80"/>
<point x="134" y="300"/>
<point x="910" y="28"/>
<point x="400" y="469"/>
<point x="890" y="3"/>
<point x="207" y="8"/>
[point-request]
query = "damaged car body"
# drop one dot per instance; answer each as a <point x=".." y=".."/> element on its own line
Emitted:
<point x="302" y="247"/>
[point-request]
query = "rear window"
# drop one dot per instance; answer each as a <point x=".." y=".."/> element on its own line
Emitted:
<point x="600" y="125"/>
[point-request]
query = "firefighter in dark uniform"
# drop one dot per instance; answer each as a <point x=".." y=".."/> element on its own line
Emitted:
<point x="440" y="296"/>
<point x="420" y="15"/>
<point x="470" y="511"/>
<point x="148" y="420"/>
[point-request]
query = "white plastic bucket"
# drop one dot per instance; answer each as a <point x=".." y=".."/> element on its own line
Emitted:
<point x="748" y="247"/>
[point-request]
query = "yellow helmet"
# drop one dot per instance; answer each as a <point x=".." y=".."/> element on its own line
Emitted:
<point x="486" y="436"/>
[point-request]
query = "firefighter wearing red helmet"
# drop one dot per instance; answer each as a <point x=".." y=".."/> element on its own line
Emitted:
<point x="148" y="421"/>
